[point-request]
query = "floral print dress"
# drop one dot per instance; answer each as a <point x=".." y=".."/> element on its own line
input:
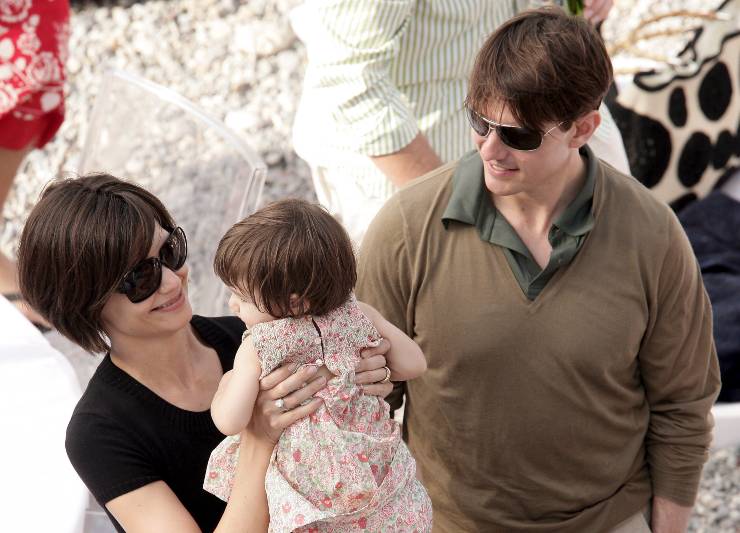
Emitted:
<point x="34" y="35"/>
<point x="345" y="467"/>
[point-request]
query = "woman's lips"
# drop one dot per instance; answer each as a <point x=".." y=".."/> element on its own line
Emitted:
<point x="172" y="305"/>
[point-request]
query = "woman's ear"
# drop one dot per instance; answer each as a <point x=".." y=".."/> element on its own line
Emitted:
<point x="585" y="126"/>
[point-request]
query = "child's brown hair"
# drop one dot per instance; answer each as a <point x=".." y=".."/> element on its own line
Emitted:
<point x="289" y="247"/>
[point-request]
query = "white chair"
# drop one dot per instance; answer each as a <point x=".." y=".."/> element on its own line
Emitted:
<point x="38" y="391"/>
<point x="204" y="174"/>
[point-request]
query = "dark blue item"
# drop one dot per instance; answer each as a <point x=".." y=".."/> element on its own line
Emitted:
<point x="713" y="227"/>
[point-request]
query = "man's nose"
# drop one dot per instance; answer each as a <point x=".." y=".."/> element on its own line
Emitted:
<point x="493" y="147"/>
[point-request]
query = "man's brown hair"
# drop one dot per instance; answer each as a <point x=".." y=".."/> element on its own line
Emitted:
<point x="545" y="66"/>
<point x="288" y="247"/>
<point x="80" y="239"/>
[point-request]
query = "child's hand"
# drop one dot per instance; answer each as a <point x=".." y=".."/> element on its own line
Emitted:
<point x="371" y="370"/>
<point x="268" y="420"/>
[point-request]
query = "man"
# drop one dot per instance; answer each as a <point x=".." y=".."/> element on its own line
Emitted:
<point x="571" y="367"/>
<point x="384" y="85"/>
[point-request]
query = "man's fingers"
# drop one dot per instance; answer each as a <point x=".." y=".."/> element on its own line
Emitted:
<point x="371" y="363"/>
<point x="381" y="349"/>
<point x="371" y="376"/>
<point x="378" y="389"/>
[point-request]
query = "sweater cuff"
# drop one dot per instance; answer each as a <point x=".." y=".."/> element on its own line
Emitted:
<point x="680" y="489"/>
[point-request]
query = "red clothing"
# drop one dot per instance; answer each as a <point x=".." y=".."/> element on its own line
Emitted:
<point x="33" y="49"/>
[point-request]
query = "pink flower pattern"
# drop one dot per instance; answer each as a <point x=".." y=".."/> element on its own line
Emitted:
<point x="33" y="45"/>
<point x="344" y="468"/>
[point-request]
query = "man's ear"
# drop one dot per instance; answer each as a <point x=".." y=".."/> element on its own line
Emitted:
<point x="585" y="126"/>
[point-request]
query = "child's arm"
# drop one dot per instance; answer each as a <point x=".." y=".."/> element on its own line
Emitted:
<point x="234" y="400"/>
<point x="405" y="358"/>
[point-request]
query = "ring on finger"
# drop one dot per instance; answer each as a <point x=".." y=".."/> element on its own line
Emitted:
<point x="387" y="377"/>
<point x="280" y="404"/>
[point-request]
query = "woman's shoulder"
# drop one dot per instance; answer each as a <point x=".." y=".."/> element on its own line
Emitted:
<point x="223" y="334"/>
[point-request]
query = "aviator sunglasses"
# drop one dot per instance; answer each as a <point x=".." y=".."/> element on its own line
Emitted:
<point x="144" y="278"/>
<point x="516" y="137"/>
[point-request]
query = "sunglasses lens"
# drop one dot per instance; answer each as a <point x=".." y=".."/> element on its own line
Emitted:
<point x="480" y="127"/>
<point x="520" y="138"/>
<point x="174" y="251"/>
<point x="141" y="282"/>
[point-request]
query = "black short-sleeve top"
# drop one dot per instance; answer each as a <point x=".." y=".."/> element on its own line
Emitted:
<point x="123" y="436"/>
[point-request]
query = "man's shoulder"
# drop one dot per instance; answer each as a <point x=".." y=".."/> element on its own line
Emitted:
<point x="627" y="202"/>
<point x="419" y="202"/>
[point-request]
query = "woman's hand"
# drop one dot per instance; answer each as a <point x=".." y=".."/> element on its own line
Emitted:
<point x="269" y="419"/>
<point x="370" y="371"/>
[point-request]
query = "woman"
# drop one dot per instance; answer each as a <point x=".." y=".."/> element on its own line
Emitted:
<point x="115" y="280"/>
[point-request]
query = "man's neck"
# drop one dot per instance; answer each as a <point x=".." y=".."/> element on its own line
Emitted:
<point x="535" y="211"/>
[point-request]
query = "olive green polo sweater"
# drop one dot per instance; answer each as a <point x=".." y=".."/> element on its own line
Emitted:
<point x="471" y="203"/>
<point x="562" y="413"/>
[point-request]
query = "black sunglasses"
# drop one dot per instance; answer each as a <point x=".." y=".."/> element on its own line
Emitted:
<point x="516" y="137"/>
<point x="144" y="278"/>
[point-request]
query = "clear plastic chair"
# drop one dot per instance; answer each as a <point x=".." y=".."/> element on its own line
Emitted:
<point x="204" y="174"/>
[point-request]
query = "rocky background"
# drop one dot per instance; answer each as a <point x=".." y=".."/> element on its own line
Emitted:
<point x="241" y="63"/>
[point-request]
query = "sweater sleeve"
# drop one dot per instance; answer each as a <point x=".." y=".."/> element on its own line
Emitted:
<point x="385" y="276"/>
<point x="352" y="45"/>
<point x="680" y="372"/>
<point x="106" y="458"/>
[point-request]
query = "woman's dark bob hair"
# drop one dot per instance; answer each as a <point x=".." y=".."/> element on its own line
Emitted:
<point x="289" y="247"/>
<point x="80" y="239"/>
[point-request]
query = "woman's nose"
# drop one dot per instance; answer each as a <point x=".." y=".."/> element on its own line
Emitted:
<point x="170" y="279"/>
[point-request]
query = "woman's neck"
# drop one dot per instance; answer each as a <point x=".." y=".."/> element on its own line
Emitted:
<point x="163" y="361"/>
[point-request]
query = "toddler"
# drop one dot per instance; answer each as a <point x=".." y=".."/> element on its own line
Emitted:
<point x="292" y="271"/>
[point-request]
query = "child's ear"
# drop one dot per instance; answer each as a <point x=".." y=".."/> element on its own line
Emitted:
<point x="298" y="305"/>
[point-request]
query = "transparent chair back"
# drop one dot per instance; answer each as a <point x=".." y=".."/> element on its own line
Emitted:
<point x="205" y="175"/>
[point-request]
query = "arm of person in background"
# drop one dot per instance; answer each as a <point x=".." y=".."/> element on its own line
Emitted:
<point x="405" y="358"/>
<point x="596" y="11"/>
<point x="680" y="373"/>
<point x="155" y="507"/>
<point x="237" y="391"/>
<point x="354" y="47"/>
<point x="413" y="160"/>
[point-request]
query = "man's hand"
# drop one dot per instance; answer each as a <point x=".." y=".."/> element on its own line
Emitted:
<point x="669" y="517"/>
<point x="411" y="161"/>
<point x="595" y="11"/>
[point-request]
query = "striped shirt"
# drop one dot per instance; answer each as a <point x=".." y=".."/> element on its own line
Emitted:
<point x="381" y="71"/>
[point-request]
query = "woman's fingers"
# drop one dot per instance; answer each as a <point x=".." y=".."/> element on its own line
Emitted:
<point x="288" y="383"/>
<point x="276" y="376"/>
<point x="381" y="349"/>
<point x="295" y="399"/>
<point x="378" y="389"/>
<point x="290" y="417"/>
